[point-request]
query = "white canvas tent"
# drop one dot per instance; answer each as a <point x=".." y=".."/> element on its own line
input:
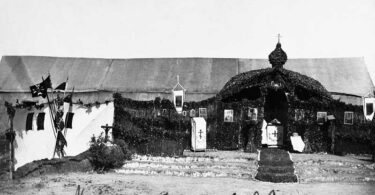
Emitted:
<point x="40" y="144"/>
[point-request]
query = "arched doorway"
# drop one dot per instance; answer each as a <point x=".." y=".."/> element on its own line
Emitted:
<point x="276" y="107"/>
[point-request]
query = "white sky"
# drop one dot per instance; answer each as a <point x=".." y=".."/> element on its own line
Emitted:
<point x="188" y="28"/>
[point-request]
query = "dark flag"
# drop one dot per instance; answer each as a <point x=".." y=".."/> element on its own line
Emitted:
<point x="41" y="88"/>
<point x="68" y="98"/>
<point x="61" y="87"/>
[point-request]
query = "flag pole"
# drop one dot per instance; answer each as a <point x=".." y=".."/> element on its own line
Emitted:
<point x="50" y="110"/>
<point x="53" y="97"/>
<point x="66" y="86"/>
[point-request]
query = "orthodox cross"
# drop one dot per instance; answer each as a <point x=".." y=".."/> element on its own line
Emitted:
<point x="274" y="133"/>
<point x="200" y="134"/>
<point x="106" y="129"/>
<point x="278" y="37"/>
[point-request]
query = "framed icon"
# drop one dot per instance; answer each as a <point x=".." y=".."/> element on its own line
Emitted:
<point x="321" y="117"/>
<point x="203" y="112"/>
<point x="348" y="117"/>
<point x="253" y="114"/>
<point x="228" y="116"/>
<point x="192" y="113"/>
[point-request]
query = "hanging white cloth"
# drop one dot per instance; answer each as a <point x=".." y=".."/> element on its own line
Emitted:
<point x="264" y="132"/>
<point x="178" y="100"/>
<point x="368" y="108"/>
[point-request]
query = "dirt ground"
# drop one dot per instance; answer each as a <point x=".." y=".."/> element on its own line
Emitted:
<point x="318" y="174"/>
<point x="112" y="183"/>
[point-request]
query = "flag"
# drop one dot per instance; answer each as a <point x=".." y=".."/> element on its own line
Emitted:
<point x="41" y="88"/>
<point x="61" y="87"/>
<point x="68" y="98"/>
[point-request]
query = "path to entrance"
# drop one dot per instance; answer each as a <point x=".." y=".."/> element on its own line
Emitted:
<point x="275" y="165"/>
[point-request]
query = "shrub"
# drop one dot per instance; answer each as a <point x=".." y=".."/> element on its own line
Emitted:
<point x="124" y="147"/>
<point x="105" y="156"/>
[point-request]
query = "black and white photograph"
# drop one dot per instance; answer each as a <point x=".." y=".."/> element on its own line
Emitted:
<point x="227" y="97"/>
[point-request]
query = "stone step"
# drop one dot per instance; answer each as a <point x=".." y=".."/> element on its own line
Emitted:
<point x="187" y="173"/>
<point x="273" y="153"/>
<point x="276" y="177"/>
<point x="276" y="163"/>
<point x="190" y="166"/>
<point x="163" y="165"/>
<point x="276" y="169"/>
<point x="187" y="159"/>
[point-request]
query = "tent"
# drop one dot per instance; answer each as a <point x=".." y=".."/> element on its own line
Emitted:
<point x="35" y="139"/>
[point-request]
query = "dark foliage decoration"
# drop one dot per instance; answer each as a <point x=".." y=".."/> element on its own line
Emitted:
<point x="105" y="157"/>
<point x="138" y="122"/>
<point x="278" y="57"/>
<point x="273" y="77"/>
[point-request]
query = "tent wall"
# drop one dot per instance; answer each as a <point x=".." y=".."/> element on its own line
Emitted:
<point x="39" y="144"/>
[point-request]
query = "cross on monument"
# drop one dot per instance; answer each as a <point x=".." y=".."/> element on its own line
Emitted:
<point x="200" y="134"/>
<point x="274" y="134"/>
<point x="278" y="38"/>
<point x="106" y="129"/>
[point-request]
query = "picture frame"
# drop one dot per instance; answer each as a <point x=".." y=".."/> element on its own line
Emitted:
<point x="348" y="117"/>
<point x="299" y="114"/>
<point x="178" y="101"/>
<point x="164" y="112"/>
<point x="203" y="112"/>
<point x="253" y="114"/>
<point x="184" y="113"/>
<point x="192" y="113"/>
<point x="321" y="117"/>
<point x="228" y="116"/>
<point x="369" y="108"/>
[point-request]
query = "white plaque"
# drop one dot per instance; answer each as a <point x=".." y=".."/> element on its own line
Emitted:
<point x="198" y="134"/>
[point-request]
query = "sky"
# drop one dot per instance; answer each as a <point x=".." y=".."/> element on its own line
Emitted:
<point x="189" y="28"/>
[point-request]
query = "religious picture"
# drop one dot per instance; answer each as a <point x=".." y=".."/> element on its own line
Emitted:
<point x="192" y="113"/>
<point x="369" y="108"/>
<point x="179" y="101"/>
<point x="299" y="114"/>
<point x="203" y="112"/>
<point x="321" y="117"/>
<point x="228" y="115"/>
<point x="164" y="112"/>
<point x="348" y="118"/>
<point x="184" y="113"/>
<point x="253" y="114"/>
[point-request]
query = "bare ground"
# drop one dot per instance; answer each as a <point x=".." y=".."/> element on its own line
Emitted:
<point x="112" y="183"/>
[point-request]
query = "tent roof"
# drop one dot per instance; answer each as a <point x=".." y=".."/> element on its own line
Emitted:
<point x="338" y="75"/>
<point x="203" y="75"/>
<point x="197" y="75"/>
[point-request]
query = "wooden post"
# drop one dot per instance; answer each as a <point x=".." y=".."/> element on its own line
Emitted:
<point x="333" y="137"/>
<point x="240" y="145"/>
<point x="11" y="165"/>
<point x="10" y="134"/>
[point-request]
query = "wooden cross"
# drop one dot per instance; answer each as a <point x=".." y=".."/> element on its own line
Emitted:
<point x="106" y="129"/>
